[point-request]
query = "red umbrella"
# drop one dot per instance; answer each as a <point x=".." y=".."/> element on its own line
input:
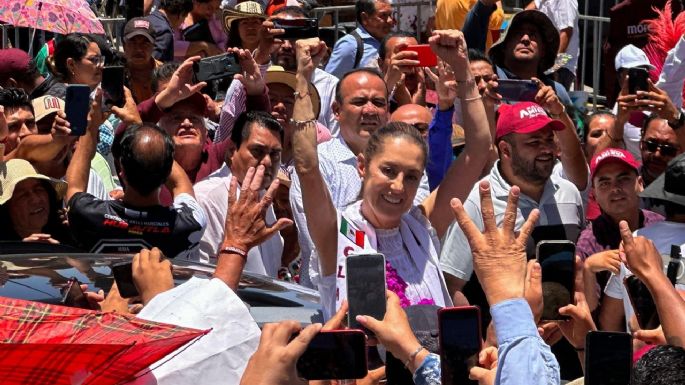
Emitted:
<point x="49" y="344"/>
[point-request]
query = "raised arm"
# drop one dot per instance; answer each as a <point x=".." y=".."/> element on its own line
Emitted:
<point x="316" y="200"/>
<point x="450" y="46"/>
<point x="79" y="166"/>
<point x="178" y="182"/>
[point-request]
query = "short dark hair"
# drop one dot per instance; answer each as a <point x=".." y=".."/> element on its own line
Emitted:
<point x="394" y="130"/>
<point x="662" y="365"/>
<point x="368" y="6"/>
<point x="592" y="116"/>
<point x="478" y="55"/>
<point x="145" y="171"/>
<point x="163" y="73"/>
<point x="382" y="50"/>
<point x="291" y="10"/>
<point x="243" y="126"/>
<point x="74" y="46"/>
<point x="338" y="87"/>
<point x="14" y="98"/>
<point x="177" y="7"/>
<point x="647" y="122"/>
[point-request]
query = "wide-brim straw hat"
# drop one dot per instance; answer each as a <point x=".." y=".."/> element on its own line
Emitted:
<point x="244" y="10"/>
<point x="15" y="171"/>
<point x="276" y="74"/>
<point x="548" y="34"/>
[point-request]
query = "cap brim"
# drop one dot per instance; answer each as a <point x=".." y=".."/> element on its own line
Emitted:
<point x="289" y="79"/>
<point x="60" y="186"/>
<point x="612" y="159"/>
<point x="555" y="125"/>
<point x="139" y="33"/>
<point x="231" y="15"/>
<point x="656" y="191"/>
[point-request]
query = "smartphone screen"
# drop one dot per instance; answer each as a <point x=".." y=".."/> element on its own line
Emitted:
<point x="337" y="354"/>
<point x="460" y="343"/>
<point x="427" y="57"/>
<point x="557" y="260"/>
<point x="637" y="80"/>
<point x="76" y="107"/>
<point x="297" y="28"/>
<point x="608" y="358"/>
<point x="365" y="276"/>
<point x="123" y="275"/>
<point x="73" y="296"/>
<point x="643" y="303"/>
<point x="517" y="90"/>
<point x="113" y="86"/>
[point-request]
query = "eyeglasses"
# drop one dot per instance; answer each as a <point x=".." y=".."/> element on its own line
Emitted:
<point x="485" y="78"/>
<point x="96" y="60"/>
<point x="664" y="149"/>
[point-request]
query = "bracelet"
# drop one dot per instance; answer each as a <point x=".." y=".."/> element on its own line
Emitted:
<point x="472" y="99"/>
<point x="302" y="122"/>
<point x="300" y="95"/>
<point x="233" y="250"/>
<point x="412" y="356"/>
<point x="467" y="82"/>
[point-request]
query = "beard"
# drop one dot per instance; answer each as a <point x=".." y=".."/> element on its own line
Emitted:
<point x="532" y="170"/>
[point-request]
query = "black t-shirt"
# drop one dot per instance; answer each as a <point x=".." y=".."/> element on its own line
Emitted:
<point x="176" y="230"/>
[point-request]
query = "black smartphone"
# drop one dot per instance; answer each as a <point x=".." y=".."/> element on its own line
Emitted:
<point x="113" y="87"/>
<point x="460" y="343"/>
<point x="643" y="303"/>
<point x="297" y="28"/>
<point x="198" y="32"/>
<point x="365" y="274"/>
<point x="123" y="276"/>
<point x="637" y="80"/>
<point x="335" y="354"/>
<point x="557" y="260"/>
<point x="517" y="90"/>
<point x="73" y="295"/>
<point x="76" y="107"/>
<point x="608" y="358"/>
<point x="216" y="67"/>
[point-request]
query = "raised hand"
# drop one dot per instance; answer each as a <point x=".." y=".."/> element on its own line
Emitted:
<point x="60" y="126"/>
<point x="499" y="255"/>
<point x="151" y="273"/>
<point x="450" y="46"/>
<point x="129" y="112"/>
<point x="180" y="86"/>
<point x="445" y="85"/>
<point x="268" y="41"/>
<point x="309" y="53"/>
<point x="251" y="78"/>
<point x="640" y="254"/>
<point x="548" y="99"/>
<point x="607" y="260"/>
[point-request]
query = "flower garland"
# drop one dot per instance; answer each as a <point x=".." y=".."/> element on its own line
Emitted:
<point x="398" y="286"/>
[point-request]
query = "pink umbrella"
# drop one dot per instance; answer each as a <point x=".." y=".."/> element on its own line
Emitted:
<point x="61" y="16"/>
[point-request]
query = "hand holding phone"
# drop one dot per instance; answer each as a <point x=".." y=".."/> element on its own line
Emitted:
<point x="517" y="90"/>
<point x="557" y="261"/>
<point x="335" y="354"/>
<point x="637" y="80"/>
<point x="113" y="87"/>
<point x="460" y="343"/>
<point x="123" y="276"/>
<point x="427" y="57"/>
<point x="296" y="29"/>
<point x="73" y="295"/>
<point x="216" y="67"/>
<point x="366" y="284"/>
<point x="77" y="107"/>
<point x="642" y="302"/>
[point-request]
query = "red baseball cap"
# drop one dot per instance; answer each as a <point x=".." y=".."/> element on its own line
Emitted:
<point x="612" y="155"/>
<point x="12" y="62"/>
<point x="524" y="118"/>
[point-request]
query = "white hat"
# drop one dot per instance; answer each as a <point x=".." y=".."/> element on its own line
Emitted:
<point x="630" y="57"/>
<point x="17" y="170"/>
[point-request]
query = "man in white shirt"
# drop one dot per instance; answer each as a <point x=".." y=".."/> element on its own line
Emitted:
<point x="361" y="107"/>
<point x="258" y="138"/>
<point x="670" y="188"/>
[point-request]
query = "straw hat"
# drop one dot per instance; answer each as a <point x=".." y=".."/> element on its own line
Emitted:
<point x="276" y="74"/>
<point x="17" y="170"/>
<point x="244" y="10"/>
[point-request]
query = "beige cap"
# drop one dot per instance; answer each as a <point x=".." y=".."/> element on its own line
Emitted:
<point x="276" y="74"/>
<point x="244" y="10"/>
<point x="46" y="105"/>
<point x="457" y="135"/>
<point x="17" y="170"/>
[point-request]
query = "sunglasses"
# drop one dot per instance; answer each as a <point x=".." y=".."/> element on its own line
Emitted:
<point x="664" y="149"/>
<point x="485" y="78"/>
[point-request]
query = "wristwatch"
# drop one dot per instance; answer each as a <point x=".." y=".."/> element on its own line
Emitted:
<point x="679" y="121"/>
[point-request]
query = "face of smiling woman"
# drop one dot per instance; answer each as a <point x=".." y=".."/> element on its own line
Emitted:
<point x="29" y="207"/>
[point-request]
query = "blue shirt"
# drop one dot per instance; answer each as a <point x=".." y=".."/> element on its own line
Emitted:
<point x="345" y="51"/>
<point x="440" y="146"/>
<point x="523" y="356"/>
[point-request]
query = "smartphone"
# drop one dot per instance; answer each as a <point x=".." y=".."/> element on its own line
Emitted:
<point x="76" y="107"/>
<point x="427" y="57"/>
<point x="460" y="342"/>
<point x="216" y="67"/>
<point x="637" y="80"/>
<point x="123" y="276"/>
<point x="297" y="28"/>
<point x="557" y="260"/>
<point x="113" y="87"/>
<point x="73" y="296"/>
<point x="643" y="303"/>
<point x="517" y="90"/>
<point x="335" y="354"/>
<point x="608" y="358"/>
<point x="365" y="274"/>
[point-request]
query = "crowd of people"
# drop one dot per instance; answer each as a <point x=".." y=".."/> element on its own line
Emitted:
<point x="318" y="150"/>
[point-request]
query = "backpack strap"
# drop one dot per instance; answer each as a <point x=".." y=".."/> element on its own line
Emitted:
<point x="360" y="49"/>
